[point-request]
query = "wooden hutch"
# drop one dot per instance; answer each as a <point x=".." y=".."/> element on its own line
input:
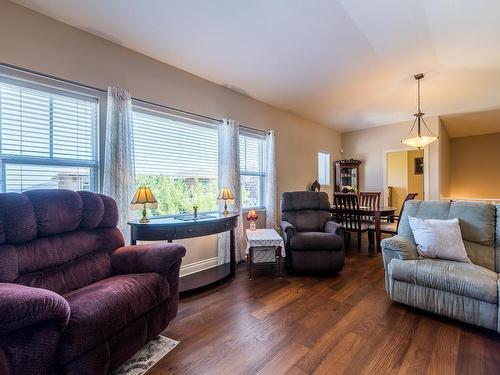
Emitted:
<point x="346" y="174"/>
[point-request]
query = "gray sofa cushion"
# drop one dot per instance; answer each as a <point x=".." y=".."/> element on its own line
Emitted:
<point x="304" y="200"/>
<point x="307" y="241"/>
<point x="464" y="279"/>
<point x="497" y="235"/>
<point x="466" y="309"/>
<point x="480" y="254"/>
<point x="307" y="220"/>
<point x="477" y="221"/>
<point x="423" y="210"/>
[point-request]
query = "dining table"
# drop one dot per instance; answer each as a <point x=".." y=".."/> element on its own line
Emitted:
<point x="377" y="213"/>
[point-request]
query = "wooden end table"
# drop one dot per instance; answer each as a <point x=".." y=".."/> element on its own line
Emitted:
<point x="264" y="247"/>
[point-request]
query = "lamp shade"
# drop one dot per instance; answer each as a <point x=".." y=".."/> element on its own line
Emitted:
<point x="144" y="196"/>
<point x="419" y="142"/>
<point x="225" y="194"/>
<point x="252" y="215"/>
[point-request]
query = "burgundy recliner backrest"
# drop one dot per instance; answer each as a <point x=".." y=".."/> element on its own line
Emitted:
<point x="59" y="240"/>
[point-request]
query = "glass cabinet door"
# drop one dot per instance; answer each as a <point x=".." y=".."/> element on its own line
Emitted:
<point x="349" y="177"/>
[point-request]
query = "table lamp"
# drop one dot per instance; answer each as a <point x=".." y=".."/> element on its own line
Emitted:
<point x="144" y="198"/>
<point x="251" y="217"/>
<point x="225" y="194"/>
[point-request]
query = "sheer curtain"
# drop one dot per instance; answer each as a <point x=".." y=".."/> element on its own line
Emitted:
<point x="229" y="176"/>
<point x="119" y="171"/>
<point x="270" y="188"/>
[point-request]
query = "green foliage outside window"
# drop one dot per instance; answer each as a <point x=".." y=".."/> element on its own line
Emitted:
<point x="176" y="196"/>
<point x="180" y="195"/>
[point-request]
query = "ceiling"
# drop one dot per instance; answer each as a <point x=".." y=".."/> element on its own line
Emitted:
<point x="348" y="64"/>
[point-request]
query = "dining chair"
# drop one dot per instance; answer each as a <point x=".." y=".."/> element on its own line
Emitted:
<point x="347" y="214"/>
<point x="369" y="199"/>
<point x="392" y="227"/>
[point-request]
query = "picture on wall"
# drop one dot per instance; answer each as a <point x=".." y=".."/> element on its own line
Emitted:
<point x="419" y="165"/>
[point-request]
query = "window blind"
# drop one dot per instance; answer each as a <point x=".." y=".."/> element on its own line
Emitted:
<point x="178" y="159"/>
<point x="171" y="147"/>
<point x="48" y="138"/>
<point x="324" y="168"/>
<point x="252" y="168"/>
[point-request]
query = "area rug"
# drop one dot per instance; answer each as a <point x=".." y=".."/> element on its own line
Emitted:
<point x="147" y="357"/>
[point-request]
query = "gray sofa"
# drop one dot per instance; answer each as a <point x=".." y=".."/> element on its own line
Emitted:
<point x="312" y="241"/>
<point x="463" y="291"/>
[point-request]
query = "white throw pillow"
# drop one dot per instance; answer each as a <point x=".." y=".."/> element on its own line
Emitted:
<point x="439" y="239"/>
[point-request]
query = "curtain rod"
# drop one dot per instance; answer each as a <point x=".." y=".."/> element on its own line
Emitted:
<point x="44" y="75"/>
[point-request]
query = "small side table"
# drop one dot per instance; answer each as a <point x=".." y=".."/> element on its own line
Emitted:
<point x="264" y="247"/>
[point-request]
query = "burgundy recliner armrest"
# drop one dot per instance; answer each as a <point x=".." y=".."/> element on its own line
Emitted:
<point x="157" y="257"/>
<point x="22" y="306"/>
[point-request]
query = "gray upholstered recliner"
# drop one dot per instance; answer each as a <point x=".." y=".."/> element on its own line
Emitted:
<point x="463" y="291"/>
<point x="313" y="242"/>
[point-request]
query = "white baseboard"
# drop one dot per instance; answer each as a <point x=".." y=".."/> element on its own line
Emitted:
<point x="201" y="265"/>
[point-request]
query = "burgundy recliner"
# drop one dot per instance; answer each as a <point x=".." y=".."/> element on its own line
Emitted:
<point x="73" y="299"/>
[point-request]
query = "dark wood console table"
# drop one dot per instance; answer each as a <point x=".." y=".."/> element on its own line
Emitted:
<point x="185" y="226"/>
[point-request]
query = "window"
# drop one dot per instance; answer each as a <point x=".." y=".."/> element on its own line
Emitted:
<point x="252" y="170"/>
<point x="324" y="168"/>
<point x="48" y="138"/>
<point x="177" y="158"/>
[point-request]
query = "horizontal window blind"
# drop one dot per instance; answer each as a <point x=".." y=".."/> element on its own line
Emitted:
<point x="172" y="147"/>
<point x="48" y="139"/>
<point x="252" y="168"/>
<point x="324" y="168"/>
<point x="178" y="159"/>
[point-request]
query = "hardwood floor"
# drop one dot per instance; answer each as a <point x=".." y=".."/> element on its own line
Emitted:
<point x="344" y="324"/>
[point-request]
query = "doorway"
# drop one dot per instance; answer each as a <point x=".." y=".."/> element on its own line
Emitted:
<point x="405" y="174"/>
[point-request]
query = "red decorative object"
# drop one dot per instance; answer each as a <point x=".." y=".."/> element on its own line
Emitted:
<point x="251" y="217"/>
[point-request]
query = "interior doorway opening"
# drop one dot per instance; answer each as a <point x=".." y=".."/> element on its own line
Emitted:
<point x="405" y="174"/>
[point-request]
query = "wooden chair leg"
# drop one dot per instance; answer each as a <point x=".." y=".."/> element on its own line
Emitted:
<point x="371" y="239"/>
<point x="359" y="241"/>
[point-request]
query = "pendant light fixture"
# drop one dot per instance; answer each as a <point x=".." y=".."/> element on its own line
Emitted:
<point x="420" y="140"/>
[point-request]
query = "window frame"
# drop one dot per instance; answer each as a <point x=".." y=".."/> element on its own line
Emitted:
<point x="260" y="135"/>
<point x="34" y="81"/>
<point x="329" y="170"/>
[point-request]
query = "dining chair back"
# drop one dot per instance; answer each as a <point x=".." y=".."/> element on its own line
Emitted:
<point x="346" y="207"/>
<point x="409" y="197"/>
<point x="347" y="214"/>
<point x="370" y="199"/>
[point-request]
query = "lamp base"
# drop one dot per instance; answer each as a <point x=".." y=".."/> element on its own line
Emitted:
<point x="253" y="226"/>
<point x="144" y="218"/>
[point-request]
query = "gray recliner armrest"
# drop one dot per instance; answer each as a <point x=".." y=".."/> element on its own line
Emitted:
<point x="397" y="247"/>
<point x="402" y="247"/>
<point x="288" y="230"/>
<point x="335" y="228"/>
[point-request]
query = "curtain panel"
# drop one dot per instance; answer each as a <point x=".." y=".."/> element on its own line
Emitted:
<point x="270" y="185"/>
<point x="229" y="177"/>
<point x="119" y="171"/>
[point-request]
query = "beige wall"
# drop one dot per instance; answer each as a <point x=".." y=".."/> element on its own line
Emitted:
<point x="475" y="167"/>
<point x="415" y="181"/>
<point x="369" y="145"/>
<point x="444" y="160"/>
<point x="397" y="176"/>
<point x="31" y="40"/>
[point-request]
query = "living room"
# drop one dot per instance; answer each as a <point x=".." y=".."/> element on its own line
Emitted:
<point x="211" y="132"/>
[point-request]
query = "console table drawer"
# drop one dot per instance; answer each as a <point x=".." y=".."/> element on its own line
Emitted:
<point x="186" y="231"/>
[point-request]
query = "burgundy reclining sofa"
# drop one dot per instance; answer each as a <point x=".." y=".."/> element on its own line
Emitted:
<point x="73" y="298"/>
